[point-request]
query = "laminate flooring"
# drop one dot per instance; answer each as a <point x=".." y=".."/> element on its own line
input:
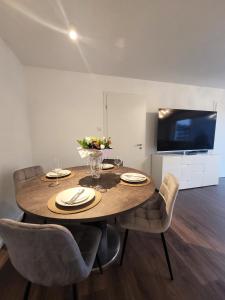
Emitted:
<point x="196" y="244"/>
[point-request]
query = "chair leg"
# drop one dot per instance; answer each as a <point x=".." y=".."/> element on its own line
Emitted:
<point x="99" y="264"/>
<point x="167" y="255"/>
<point x="124" y="246"/>
<point x="27" y="291"/>
<point x="75" y="292"/>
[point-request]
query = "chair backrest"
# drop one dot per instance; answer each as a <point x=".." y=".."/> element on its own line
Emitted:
<point x="44" y="254"/>
<point x="168" y="191"/>
<point x="110" y="161"/>
<point x="27" y="173"/>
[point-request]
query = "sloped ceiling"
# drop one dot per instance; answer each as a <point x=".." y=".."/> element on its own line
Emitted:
<point x="165" y="40"/>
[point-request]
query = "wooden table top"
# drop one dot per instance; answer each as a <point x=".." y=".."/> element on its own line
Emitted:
<point x="32" y="195"/>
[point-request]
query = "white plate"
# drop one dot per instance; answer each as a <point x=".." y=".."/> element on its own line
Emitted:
<point x="60" y="173"/>
<point x="107" y="166"/>
<point x="86" y="195"/>
<point x="133" y="177"/>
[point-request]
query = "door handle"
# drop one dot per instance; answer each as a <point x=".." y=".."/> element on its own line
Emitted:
<point x="139" y="146"/>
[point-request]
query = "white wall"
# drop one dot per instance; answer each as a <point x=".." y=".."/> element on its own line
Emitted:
<point x="66" y="105"/>
<point x="15" y="146"/>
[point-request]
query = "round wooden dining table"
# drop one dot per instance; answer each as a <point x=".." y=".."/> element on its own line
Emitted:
<point x="32" y="197"/>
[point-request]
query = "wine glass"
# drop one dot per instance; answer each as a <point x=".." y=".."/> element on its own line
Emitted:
<point x="56" y="170"/>
<point x="117" y="162"/>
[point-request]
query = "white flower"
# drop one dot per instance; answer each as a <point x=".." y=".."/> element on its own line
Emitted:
<point x="88" y="139"/>
<point x="102" y="146"/>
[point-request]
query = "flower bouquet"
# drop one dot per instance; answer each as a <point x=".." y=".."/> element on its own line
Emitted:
<point x="93" y="147"/>
<point x="93" y="142"/>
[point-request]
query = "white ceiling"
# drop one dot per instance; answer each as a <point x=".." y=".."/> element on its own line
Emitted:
<point x="166" y="40"/>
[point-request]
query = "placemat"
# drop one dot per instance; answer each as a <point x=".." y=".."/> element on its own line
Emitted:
<point x="44" y="178"/>
<point x="54" y="207"/>
<point x="148" y="180"/>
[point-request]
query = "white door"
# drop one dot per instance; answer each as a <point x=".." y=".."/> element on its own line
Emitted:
<point x="125" y="123"/>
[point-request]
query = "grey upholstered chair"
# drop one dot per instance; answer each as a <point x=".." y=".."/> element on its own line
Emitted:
<point x="110" y="161"/>
<point x="50" y="255"/>
<point x="22" y="175"/>
<point x="155" y="216"/>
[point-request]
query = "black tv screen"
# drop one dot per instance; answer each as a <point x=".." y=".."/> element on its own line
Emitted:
<point x="180" y="129"/>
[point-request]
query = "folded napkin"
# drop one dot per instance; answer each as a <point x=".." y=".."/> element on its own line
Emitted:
<point x="83" y="152"/>
<point x="135" y="176"/>
<point x="73" y="199"/>
<point x="58" y="172"/>
<point x="63" y="172"/>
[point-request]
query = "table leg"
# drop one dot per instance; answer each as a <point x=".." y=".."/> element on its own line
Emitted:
<point x="110" y="244"/>
<point x="103" y="247"/>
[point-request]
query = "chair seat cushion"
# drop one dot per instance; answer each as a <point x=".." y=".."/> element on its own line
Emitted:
<point x="143" y="219"/>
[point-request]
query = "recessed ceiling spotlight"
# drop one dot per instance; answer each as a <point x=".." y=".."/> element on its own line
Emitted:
<point x="73" y="34"/>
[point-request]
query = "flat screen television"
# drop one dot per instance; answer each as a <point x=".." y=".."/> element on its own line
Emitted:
<point x="183" y="130"/>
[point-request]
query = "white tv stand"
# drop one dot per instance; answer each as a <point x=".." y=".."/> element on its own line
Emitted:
<point x="191" y="170"/>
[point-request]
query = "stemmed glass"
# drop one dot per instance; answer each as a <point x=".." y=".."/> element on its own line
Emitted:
<point x="56" y="169"/>
<point x="118" y="163"/>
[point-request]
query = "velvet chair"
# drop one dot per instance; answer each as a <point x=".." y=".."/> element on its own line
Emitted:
<point x="153" y="217"/>
<point x="50" y="255"/>
<point x="20" y="176"/>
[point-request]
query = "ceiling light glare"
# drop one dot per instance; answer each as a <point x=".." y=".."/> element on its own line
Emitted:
<point x="73" y="34"/>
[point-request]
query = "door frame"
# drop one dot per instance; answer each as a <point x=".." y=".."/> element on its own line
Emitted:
<point x="105" y="114"/>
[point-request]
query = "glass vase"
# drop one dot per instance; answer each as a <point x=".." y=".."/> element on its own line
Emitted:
<point x="95" y="160"/>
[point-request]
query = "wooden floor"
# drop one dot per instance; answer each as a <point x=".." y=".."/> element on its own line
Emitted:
<point x="196" y="244"/>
